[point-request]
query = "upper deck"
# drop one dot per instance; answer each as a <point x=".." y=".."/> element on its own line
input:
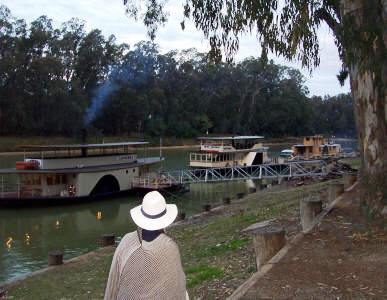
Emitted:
<point x="228" y="144"/>
<point x="82" y="149"/>
<point x="78" y="156"/>
<point x="86" y="168"/>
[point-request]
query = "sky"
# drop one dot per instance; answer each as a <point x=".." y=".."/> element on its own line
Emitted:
<point x="109" y="16"/>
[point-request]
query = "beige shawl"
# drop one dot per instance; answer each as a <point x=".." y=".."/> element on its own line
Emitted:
<point x="146" y="270"/>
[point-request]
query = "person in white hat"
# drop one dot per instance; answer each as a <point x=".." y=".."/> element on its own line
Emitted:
<point x="147" y="264"/>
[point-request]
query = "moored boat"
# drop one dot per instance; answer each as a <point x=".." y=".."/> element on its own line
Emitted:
<point x="227" y="151"/>
<point x="64" y="174"/>
<point x="316" y="147"/>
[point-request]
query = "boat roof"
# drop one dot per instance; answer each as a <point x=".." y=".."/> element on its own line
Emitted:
<point x="287" y="151"/>
<point x="86" y="169"/>
<point x="229" y="138"/>
<point x="261" y="149"/>
<point x="79" y="146"/>
<point x="302" y="145"/>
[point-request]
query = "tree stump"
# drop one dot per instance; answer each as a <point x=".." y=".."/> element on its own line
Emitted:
<point x="108" y="239"/>
<point x="267" y="241"/>
<point x="349" y="179"/>
<point x="335" y="190"/>
<point x="240" y="195"/>
<point x="309" y="209"/>
<point x="55" y="258"/>
<point x="226" y="200"/>
<point x="207" y="207"/>
<point x="252" y="190"/>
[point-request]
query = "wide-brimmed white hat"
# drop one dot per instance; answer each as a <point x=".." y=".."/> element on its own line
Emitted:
<point x="154" y="213"/>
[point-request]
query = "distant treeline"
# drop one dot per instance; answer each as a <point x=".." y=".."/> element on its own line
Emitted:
<point x="55" y="81"/>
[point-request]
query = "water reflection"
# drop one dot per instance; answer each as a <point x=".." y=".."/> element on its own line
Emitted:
<point x="29" y="234"/>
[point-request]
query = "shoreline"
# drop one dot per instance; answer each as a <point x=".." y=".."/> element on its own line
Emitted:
<point x="228" y="254"/>
<point x="201" y="218"/>
<point x="10" y="153"/>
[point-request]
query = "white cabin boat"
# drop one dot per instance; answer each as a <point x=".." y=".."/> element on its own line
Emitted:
<point x="227" y="151"/>
<point x="61" y="174"/>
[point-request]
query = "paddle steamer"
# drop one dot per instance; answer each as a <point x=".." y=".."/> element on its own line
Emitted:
<point x="227" y="151"/>
<point x="63" y="174"/>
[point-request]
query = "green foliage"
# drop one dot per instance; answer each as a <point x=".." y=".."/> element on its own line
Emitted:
<point x="288" y="28"/>
<point x="52" y="78"/>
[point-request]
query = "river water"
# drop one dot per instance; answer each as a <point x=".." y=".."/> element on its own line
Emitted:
<point x="27" y="235"/>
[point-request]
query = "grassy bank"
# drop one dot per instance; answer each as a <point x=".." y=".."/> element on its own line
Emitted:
<point x="216" y="257"/>
<point x="355" y="162"/>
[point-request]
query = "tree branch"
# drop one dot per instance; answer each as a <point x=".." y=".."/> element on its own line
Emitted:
<point x="323" y="14"/>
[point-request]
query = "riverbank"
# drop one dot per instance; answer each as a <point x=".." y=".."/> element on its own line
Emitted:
<point x="343" y="257"/>
<point x="216" y="257"/>
<point x="9" y="144"/>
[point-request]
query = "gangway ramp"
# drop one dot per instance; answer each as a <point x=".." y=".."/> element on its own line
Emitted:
<point x="312" y="168"/>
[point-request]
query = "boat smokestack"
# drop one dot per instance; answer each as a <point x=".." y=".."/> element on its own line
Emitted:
<point x="84" y="140"/>
<point x="83" y="135"/>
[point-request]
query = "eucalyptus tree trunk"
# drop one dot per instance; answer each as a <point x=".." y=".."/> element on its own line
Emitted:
<point x="368" y="73"/>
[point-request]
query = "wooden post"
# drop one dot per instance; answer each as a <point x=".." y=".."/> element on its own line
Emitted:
<point x="252" y="190"/>
<point x="309" y="209"/>
<point x="55" y="258"/>
<point x="226" y="200"/>
<point x="108" y="239"/>
<point x="335" y="190"/>
<point x="207" y="207"/>
<point x="349" y="179"/>
<point x="2" y="188"/>
<point x="240" y="195"/>
<point x="268" y="240"/>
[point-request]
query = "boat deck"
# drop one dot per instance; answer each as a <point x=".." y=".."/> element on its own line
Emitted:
<point x="86" y="169"/>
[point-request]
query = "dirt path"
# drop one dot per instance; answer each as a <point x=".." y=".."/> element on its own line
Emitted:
<point x="343" y="258"/>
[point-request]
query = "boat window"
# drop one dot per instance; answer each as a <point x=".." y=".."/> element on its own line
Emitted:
<point x="49" y="180"/>
<point x="64" y="179"/>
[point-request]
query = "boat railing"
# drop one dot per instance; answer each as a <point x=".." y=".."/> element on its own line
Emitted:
<point x="153" y="180"/>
